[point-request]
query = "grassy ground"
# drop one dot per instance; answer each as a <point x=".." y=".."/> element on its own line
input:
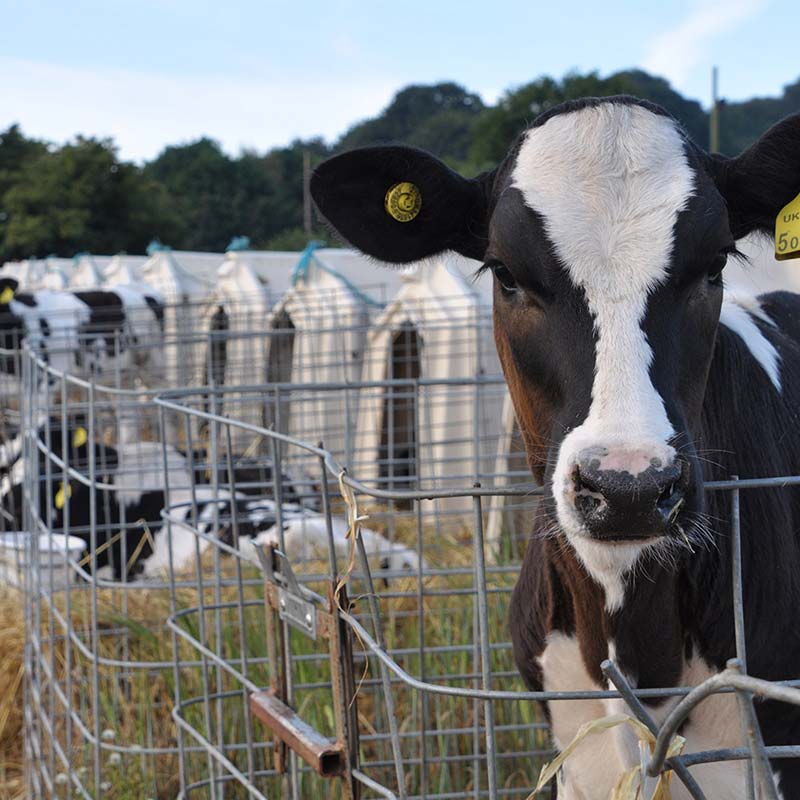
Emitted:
<point x="132" y="706"/>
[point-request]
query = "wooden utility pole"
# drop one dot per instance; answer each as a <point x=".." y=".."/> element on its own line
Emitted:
<point x="306" y="193"/>
<point x="713" y="118"/>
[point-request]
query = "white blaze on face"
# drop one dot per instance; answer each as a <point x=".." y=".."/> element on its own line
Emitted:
<point x="608" y="182"/>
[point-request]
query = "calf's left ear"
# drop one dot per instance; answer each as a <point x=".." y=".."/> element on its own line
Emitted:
<point x="758" y="183"/>
<point x="400" y="204"/>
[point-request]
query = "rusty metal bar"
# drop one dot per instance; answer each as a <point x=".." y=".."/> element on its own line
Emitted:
<point x="323" y="755"/>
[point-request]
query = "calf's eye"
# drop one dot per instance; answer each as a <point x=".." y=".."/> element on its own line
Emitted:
<point x="715" y="270"/>
<point x="504" y="278"/>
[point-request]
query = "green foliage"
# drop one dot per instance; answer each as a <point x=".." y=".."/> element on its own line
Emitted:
<point x="498" y="127"/>
<point x="739" y="123"/>
<point x="296" y="239"/>
<point x="438" y="108"/>
<point x="15" y="151"/>
<point x="196" y="197"/>
<point x="199" y="179"/>
<point x="80" y="197"/>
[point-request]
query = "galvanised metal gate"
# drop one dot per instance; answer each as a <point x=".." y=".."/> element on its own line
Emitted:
<point x="376" y="663"/>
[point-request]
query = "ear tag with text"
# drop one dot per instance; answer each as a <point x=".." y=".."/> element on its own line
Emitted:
<point x="787" y="231"/>
<point x="80" y="437"/>
<point x="61" y="495"/>
<point x="403" y="201"/>
<point x="6" y="296"/>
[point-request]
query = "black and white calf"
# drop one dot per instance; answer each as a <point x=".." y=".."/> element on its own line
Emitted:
<point x="634" y="378"/>
<point x="252" y="476"/>
<point x="129" y="500"/>
<point x="86" y="333"/>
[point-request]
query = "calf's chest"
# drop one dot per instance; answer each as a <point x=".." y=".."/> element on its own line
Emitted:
<point x="594" y="767"/>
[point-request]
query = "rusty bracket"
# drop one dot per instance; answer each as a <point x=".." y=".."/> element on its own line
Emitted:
<point x="285" y="599"/>
<point x="325" y="756"/>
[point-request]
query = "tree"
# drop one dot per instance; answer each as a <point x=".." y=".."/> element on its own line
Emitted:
<point x="437" y="117"/>
<point x="218" y="197"/>
<point x="81" y="197"/>
<point x="195" y="196"/>
<point x="498" y="127"/>
<point x="15" y="150"/>
<point x="740" y="124"/>
<point x="199" y="180"/>
<point x="297" y="239"/>
<point x="282" y="207"/>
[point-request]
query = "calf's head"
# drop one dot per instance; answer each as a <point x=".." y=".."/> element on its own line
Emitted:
<point x="607" y="231"/>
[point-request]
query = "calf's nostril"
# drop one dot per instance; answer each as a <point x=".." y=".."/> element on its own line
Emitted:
<point x="587" y="504"/>
<point x="667" y="493"/>
<point x="584" y="481"/>
<point x="671" y="500"/>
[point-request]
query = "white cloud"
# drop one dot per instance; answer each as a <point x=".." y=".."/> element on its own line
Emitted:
<point x="676" y="52"/>
<point x="145" y="111"/>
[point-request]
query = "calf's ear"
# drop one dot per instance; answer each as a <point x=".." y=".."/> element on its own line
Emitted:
<point x="400" y="204"/>
<point x="758" y="183"/>
<point x="8" y="287"/>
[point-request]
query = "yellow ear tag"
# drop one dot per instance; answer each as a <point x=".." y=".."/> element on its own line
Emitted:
<point x="80" y="437"/>
<point x="403" y="201"/>
<point x="787" y="231"/>
<point x="6" y="296"/>
<point x="61" y="495"/>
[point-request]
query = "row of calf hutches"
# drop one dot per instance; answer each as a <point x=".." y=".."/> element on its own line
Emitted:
<point x="333" y="317"/>
<point x="330" y="316"/>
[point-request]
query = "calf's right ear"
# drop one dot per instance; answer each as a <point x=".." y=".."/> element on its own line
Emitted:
<point x="759" y="182"/>
<point x="400" y="204"/>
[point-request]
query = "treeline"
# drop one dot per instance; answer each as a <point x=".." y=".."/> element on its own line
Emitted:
<point x="82" y="197"/>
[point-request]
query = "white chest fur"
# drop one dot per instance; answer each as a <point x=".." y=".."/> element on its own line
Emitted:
<point x="592" y="770"/>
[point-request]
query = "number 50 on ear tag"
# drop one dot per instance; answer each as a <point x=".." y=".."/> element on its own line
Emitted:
<point x="787" y="231"/>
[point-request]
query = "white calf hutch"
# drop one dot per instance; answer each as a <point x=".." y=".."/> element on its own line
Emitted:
<point x="436" y="329"/>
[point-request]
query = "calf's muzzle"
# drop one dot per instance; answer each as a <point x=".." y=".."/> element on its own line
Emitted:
<point x="615" y="504"/>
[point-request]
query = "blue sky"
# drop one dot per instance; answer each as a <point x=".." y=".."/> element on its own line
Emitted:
<point x="257" y="74"/>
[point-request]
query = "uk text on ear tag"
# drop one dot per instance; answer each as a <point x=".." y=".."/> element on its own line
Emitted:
<point x="403" y="201"/>
<point x="787" y="231"/>
<point x="80" y="437"/>
<point x="6" y="296"/>
<point x="61" y="495"/>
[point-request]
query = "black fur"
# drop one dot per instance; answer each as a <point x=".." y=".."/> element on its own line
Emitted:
<point x="350" y="189"/>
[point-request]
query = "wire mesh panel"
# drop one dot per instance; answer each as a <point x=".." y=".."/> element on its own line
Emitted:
<point x="143" y="490"/>
<point x="422" y="583"/>
<point x="420" y="697"/>
<point x="248" y="618"/>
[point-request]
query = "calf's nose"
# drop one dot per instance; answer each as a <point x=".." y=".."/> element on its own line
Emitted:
<point x="616" y="503"/>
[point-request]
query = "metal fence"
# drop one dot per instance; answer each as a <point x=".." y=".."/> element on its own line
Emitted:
<point x="100" y="678"/>
<point x="280" y="656"/>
